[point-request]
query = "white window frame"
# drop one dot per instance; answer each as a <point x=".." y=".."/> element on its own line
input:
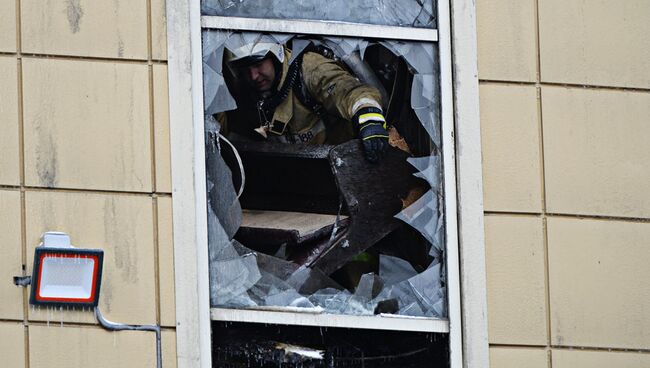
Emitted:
<point x="463" y="192"/>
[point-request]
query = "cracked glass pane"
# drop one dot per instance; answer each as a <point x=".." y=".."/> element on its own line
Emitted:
<point x="407" y="13"/>
<point x="299" y="215"/>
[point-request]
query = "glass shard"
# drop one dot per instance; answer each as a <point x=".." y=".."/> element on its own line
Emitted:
<point x="394" y="270"/>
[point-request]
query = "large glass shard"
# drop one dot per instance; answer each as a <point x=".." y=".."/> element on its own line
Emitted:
<point x="419" y="56"/>
<point x="232" y="278"/>
<point x="425" y="286"/>
<point x="394" y="270"/>
<point x="216" y="97"/>
<point x="426" y="109"/>
<point x="308" y="280"/>
<point x="222" y="198"/>
<point x="369" y="286"/>
<point x="407" y="13"/>
<point x="265" y="285"/>
<point x="423" y="216"/>
<point x="428" y="169"/>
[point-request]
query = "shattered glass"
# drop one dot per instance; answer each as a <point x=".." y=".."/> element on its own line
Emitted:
<point x="241" y="277"/>
<point x="407" y="13"/>
<point x="394" y="270"/>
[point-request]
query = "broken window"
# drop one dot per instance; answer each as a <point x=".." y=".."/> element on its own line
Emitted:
<point x="411" y="13"/>
<point x="316" y="228"/>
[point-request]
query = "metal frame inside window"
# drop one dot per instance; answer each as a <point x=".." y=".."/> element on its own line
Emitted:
<point x="185" y="24"/>
<point x="318" y="27"/>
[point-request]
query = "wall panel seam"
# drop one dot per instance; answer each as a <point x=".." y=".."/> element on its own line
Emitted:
<point x="85" y="58"/>
<point x="570" y="348"/>
<point x="566" y="85"/>
<point x="156" y="255"/>
<point x="521" y="347"/>
<point x="568" y="215"/>
<point x="10" y="188"/>
<point x="80" y="58"/>
<point x="510" y="213"/>
<point x="21" y="162"/>
<point x="600" y="349"/>
<point x="90" y="191"/>
<point x="599" y="217"/>
<point x="152" y="116"/>
<point x="547" y="287"/>
<point x="12" y="320"/>
<point x="542" y="161"/>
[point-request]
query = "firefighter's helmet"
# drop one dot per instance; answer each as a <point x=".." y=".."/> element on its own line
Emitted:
<point x="252" y="53"/>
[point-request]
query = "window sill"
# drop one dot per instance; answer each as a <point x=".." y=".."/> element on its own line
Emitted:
<point x="312" y="317"/>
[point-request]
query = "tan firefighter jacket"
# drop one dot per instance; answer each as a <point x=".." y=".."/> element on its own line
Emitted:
<point x="340" y="93"/>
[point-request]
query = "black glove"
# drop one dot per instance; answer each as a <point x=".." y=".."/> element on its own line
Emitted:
<point x="371" y="126"/>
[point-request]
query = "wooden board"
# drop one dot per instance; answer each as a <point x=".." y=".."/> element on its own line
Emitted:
<point x="301" y="222"/>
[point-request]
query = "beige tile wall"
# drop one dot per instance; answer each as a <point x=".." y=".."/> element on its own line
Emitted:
<point x="12" y="344"/>
<point x="161" y="129"/>
<point x="158" y="30"/>
<point x="599" y="359"/>
<point x="166" y="262"/>
<point x="11" y="305"/>
<point x="84" y="149"/>
<point x="82" y="347"/>
<point x="600" y="283"/>
<point x="509" y="357"/>
<point x="109" y="29"/>
<point x="565" y="105"/>
<point x="512" y="177"/>
<point x="9" y="139"/>
<point x="602" y="43"/>
<point x="596" y="151"/>
<point x="516" y="291"/>
<point x="87" y="125"/>
<point x="169" y="349"/>
<point x="7" y="25"/>
<point x="507" y="40"/>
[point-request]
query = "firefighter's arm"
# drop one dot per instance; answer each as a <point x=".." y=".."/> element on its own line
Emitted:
<point x="344" y="95"/>
<point x="337" y="90"/>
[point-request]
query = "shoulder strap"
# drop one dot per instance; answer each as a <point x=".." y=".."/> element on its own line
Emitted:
<point x="268" y="105"/>
<point x="294" y="73"/>
<point x="300" y="89"/>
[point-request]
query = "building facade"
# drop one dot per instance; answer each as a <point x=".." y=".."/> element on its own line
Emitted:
<point x="564" y="103"/>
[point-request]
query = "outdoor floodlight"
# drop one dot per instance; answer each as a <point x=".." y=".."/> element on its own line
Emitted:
<point x="64" y="275"/>
<point x="70" y="277"/>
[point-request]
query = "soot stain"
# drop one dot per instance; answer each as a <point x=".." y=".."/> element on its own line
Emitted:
<point x="75" y="13"/>
<point x="47" y="161"/>
<point x="123" y="236"/>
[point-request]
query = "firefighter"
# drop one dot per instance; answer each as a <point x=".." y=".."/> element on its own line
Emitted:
<point x="311" y="100"/>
